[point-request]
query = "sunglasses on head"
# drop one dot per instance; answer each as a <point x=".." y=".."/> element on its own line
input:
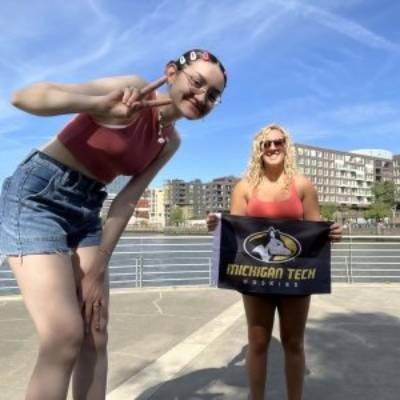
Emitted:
<point x="266" y="144"/>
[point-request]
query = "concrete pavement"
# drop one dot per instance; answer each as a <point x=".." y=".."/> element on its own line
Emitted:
<point x="176" y="344"/>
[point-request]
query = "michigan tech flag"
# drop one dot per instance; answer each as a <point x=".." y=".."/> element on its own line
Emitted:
<point x="270" y="256"/>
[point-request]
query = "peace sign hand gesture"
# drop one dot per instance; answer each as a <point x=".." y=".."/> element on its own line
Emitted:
<point x="120" y="106"/>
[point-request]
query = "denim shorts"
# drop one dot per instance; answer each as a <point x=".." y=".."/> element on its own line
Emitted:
<point x="46" y="207"/>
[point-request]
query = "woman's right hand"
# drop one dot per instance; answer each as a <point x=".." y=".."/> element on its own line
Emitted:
<point x="120" y="106"/>
<point x="212" y="221"/>
<point x="93" y="298"/>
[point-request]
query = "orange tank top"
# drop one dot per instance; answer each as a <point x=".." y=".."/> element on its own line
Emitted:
<point x="111" y="151"/>
<point x="291" y="208"/>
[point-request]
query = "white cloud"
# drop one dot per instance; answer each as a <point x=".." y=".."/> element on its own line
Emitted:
<point x="350" y="123"/>
<point x="78" y="39"/>
<point x="98" y="10"/>
<point x="345" y="26"/>
<point x="364" y="113"/>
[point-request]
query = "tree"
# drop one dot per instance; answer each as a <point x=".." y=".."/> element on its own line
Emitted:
<point x="328" y="210"/>
<point x="384" y="200"/>
<point x="385" y="192"/>
<point x="378" y="210"/>
<point x="177" y="216"/>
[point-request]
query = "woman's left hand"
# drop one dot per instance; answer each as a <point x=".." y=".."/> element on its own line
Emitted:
<point x="335" y="233"/>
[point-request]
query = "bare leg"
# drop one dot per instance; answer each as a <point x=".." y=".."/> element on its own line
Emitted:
<point x="260" y="320"/>
<point x="48" y="287"/>
<point x="293" y="313"/>
<point x="90" y="372"/>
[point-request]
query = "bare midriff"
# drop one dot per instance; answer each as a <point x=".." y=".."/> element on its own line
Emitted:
<point x="59" y="152"/>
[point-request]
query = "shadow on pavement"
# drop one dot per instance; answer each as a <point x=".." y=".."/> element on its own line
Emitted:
<point x="353" y="356"/>
<point x="349" y="357"/>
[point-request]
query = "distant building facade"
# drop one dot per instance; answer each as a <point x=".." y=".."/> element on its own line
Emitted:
<point x="346" y="178"/>
<point x="342" y="178"/>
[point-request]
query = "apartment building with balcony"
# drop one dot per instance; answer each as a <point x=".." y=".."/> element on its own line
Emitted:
<point x="217" y="194"/>
<point x="343" y="178"/>
<point x="346" y="178"/>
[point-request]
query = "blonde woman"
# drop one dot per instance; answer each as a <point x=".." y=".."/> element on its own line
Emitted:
<point x="272" y="188"/>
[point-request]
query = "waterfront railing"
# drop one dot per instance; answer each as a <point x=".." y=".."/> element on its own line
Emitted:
<point x="159" y="261"/>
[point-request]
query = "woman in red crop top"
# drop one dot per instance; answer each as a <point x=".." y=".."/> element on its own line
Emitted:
<point x="50" y="228"/>
<point x="273" y="189"/>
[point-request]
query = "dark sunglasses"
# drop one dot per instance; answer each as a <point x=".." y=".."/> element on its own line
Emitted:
<point x="266" y="144"/>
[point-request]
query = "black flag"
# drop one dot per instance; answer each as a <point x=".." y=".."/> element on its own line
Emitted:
<point x="271" y="256"/>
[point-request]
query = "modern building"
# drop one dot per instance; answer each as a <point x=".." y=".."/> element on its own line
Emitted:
<point x="157" y="208"/>
<point x="346" y="178"/>
<point x="396" y="176"/>
<point x="196" y="198"/>
<point x="342" y="178"/>
<point x="217" y="196"/>
<point x="186" y="195"/>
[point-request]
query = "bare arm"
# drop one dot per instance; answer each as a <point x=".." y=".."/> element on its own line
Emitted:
<point x="311" y="207"/>
<point x="239" y="198"/>
<point x="124" y="204"/>
<point x="309" y="198"/>
<point x="47" y="98"/>
<point x="122" y="207"/>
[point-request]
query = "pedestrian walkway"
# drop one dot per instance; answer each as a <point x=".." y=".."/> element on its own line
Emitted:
<point x="179" y="344"/>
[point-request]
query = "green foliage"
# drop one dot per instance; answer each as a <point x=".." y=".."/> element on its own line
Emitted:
<point x="177" y="216"/>
<point x="385" y="192"/>
<point x="328" y="210"/>
<point x="378" y="210"/>
<point x="385" y="200"/>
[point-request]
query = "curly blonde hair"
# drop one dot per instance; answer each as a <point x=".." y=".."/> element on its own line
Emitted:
<point x="255" y="169"/>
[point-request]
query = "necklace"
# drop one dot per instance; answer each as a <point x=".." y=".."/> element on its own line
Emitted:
<point x="161" y="138"/>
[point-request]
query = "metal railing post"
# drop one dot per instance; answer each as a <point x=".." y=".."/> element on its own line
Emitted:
<point x="209" y="272"/>
<point x="350" y="263"/>
<point x="141" y="271"/>
<point x="347" y="269"/>
<point x="136" y="272"/>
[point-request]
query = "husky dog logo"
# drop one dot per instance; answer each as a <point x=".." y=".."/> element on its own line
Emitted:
<point x="272" y="246"/>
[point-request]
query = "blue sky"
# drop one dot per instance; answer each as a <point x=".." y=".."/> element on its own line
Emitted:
<point x="326" y="70"/>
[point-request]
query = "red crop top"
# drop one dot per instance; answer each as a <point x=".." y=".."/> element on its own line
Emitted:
<point x="291" y="208"/>
<point x="108" y="151"/>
